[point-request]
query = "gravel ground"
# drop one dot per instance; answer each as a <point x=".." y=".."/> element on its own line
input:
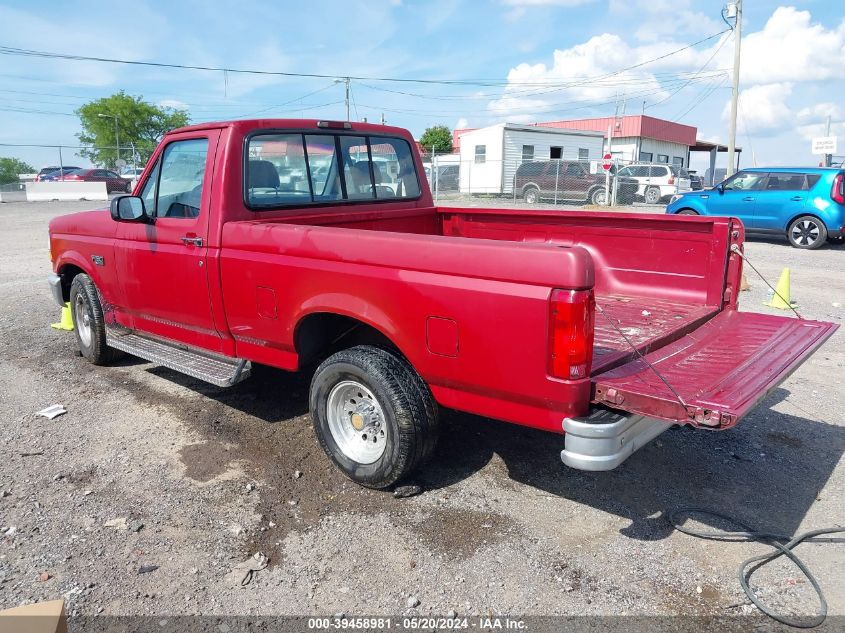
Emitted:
<point x="150" y="471"/>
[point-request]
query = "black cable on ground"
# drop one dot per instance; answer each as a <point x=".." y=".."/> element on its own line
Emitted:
<point x="783" y="546"/>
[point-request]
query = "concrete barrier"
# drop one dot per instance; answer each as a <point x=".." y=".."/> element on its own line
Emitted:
<point x="13" y="196"/>
<point x="68" y="190"/>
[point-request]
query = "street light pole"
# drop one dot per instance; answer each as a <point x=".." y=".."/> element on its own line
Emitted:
<point x="116" y="134"/>
<point x="735" y="92"/>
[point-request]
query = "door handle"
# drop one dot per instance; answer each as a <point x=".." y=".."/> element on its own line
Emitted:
<point x="797" y="198"/>
<point x="194" y="241"/>
<point x="748" y="198"/>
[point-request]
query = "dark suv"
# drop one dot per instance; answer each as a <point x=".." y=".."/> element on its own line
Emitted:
<point x="568" y="180"/>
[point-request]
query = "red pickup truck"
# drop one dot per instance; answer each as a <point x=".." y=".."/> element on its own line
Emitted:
<point x="303" y="243"/>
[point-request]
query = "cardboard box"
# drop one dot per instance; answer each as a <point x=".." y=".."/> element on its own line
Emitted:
<point x="41" y="617"/>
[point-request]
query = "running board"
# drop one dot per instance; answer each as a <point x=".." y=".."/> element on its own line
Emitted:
<point x="222" y="371"/>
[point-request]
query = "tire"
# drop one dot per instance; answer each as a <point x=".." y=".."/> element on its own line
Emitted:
<point x="531" y="195"/>
<point x="652" y="195"/>
<point x="687" y="212"/>
<point x="368" y="392"/>
<point x="598" y="197"/>
<point x="128" y="188"/>
<point x="88" y="323"/>
<point x="807" y="232"/>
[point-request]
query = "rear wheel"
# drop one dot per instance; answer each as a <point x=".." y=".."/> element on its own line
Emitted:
<point x="531" y="195"/>
<point x="807" y="232"/>
<point x="652" y="195"/>
<point x="599" y="197"/>
<point x="373" y="415"/>
<point x="687" y="212"/>
<point x="88" y="321"/>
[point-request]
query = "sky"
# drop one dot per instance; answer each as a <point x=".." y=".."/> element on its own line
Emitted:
<point x="483" y="62"/>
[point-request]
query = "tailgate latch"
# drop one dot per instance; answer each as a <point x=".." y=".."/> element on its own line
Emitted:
<point x="700" y="416"/>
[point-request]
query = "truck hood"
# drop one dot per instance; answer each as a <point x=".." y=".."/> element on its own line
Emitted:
<point x="96" y="223"/>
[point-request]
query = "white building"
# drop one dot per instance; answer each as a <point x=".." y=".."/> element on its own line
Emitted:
<point x="490" y="155"/>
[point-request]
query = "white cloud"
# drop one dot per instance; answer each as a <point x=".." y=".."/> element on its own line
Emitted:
<point x="763" y="109"/>
<point x="812" y="121"/>
<point x="173" y="103"/>
<point x="662" y="18"/>
<point x="788" y="50"/>
<point x="461" y="123"/>
<point x="791" y="48"/>
<point x="573" y="71"/>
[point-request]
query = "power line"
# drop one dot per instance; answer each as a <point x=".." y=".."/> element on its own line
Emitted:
<point x="700" y="70"/>
<point x="9" y="50"/>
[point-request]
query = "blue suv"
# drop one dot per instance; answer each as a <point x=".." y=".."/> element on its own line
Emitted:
<point x="807" y="204"/>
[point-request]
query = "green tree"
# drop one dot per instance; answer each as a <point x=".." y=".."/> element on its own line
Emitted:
<point x="437" y="139"/>
<point x="127" y="119"/>
<point x="11" y="167"/>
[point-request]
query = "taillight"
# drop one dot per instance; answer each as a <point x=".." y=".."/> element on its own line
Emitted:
<point x="837" y="192"/>
<point x="671" y="180"/>
<point x="571" y="317"/>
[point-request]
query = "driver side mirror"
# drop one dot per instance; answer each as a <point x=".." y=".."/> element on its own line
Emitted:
<point x="720" y="187"/>
<point x="130" y="209"/>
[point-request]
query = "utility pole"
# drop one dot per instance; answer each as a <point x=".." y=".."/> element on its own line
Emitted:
<point x="345" y="81"/>
<point x="382" y="118"/>
<point x="828" y="158"/>
<point x="347" y="99"/>
<point x="737" y="7"/>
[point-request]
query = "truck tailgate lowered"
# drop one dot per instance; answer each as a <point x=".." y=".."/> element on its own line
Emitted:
<point x="721" y="370"/>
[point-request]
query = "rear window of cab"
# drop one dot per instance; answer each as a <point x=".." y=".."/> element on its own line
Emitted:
<point x="285" y="169"/>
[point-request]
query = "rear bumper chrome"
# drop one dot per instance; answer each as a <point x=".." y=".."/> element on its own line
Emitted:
<point x="604" y="439"/>
<point x="55" y="282"/>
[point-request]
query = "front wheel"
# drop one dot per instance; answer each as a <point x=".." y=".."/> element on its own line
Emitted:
<point x="807" y="232"/>
<point x="687" y="212"/>
<point x="373" y="415"/>
<point x="88" y="322"/>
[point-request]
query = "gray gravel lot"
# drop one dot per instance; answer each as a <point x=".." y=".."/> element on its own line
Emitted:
<point x="215" y="475"/>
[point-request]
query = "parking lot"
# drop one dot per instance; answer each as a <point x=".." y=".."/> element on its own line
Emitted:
<point x="207" y="477"/>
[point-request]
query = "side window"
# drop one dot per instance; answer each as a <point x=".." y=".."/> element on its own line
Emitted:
<point x="480" y="153"/>
<point x="574" y="169"/>
<point x="744" y="181"/>
<point x="583" y="153"/>
<point x="276" y="172"/>
<point x="357" y="168"/>
<point x="646" y="157"/>
<point x="148" y="193"/>
<point x="779" y="181"/>
<point x="394" y="171"/>
<point x="322" y="164"/>
<point x="180" y="179"/>
<point x="662" y="158"/>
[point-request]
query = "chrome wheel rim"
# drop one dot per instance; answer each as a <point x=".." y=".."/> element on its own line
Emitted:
<point x="356" y="422"/>
<point x="805" y="233"/>
<point x="599" y="198"/>
<point x="652" y="196"/>
<point x="531" y="196"/>
<point x="82" y="320"/>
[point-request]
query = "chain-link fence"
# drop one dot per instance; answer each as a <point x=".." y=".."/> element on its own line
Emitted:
<point x="557" y="182"/>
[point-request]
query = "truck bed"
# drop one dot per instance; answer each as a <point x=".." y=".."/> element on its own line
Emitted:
<point x="654" y="282"/>
<point x="466" y="279"/>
